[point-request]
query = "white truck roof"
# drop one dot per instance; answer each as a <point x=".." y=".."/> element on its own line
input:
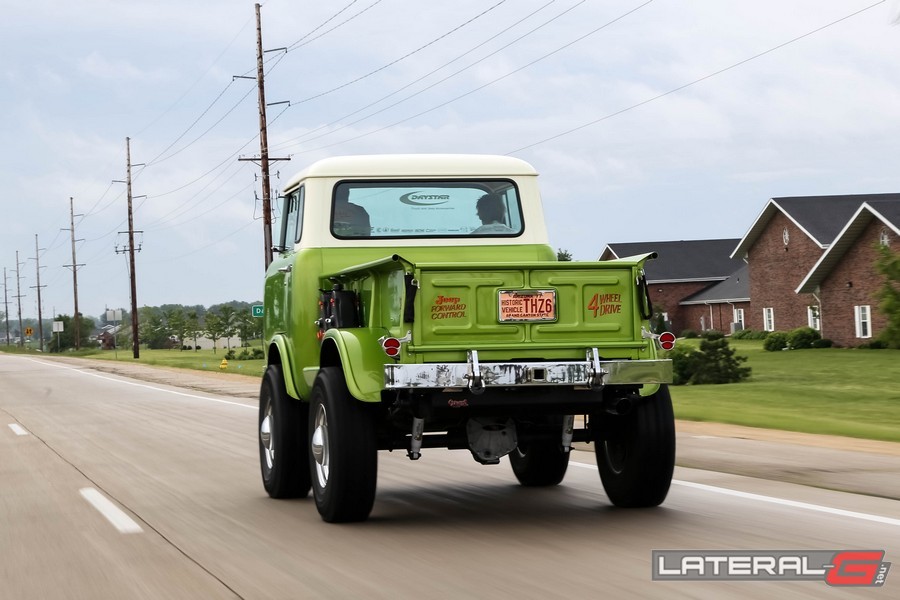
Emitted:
<point x="415" y="165"/>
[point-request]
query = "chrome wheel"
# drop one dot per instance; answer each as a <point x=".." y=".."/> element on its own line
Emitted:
<point x="266" y="438"/>
<point x="282" y="428"/>
<point x="319" y="446"/>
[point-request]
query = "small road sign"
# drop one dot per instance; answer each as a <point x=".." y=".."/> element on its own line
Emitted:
<point x="256" y="310"/>
<point x="28" y="331"/>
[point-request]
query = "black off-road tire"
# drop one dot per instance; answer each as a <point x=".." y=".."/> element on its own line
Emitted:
<point x="636" y="452"/>
<point x="282" y="430"/>
<point x="343" y="454"/>
<point x="540" y="464"/>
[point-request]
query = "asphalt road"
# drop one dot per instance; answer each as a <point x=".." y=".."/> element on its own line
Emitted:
<point x="112" y="487"/>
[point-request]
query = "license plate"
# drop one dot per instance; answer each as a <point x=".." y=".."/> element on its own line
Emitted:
<point x="527" y="305"/>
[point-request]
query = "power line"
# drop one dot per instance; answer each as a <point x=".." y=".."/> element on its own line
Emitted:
<point x="402" y="58"/>
<point x="306" y="137"/>
<point x="489" y="83"/>
<point x="298" y="43"/>
<point x="696" y="81"/>
<point x="192" y="86"/>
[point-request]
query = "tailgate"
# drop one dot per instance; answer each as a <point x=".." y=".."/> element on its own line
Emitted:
<point x="501" y="306"/>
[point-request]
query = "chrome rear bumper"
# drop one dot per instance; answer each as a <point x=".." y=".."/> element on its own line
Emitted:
<point x="476" y="376"/>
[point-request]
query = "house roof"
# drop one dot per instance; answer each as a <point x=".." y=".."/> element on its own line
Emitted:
<point x="819" y="217"/>
<point x="885" y="210"/>
<point x="734" y="289"/>
<point x="679" y="261"/>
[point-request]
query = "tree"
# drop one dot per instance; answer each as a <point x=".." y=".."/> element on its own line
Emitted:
<point x="177" y="323"/>
<point x="247" y="327"/>
<point x="192" y="327"/>
<point x="563" y="255"/>
<point x="888" y="264"/>
<point x="153" y="329"/>
<point x="66" y="338"/>
<point x="228" y="314"/>
<point x="215" y="328"/>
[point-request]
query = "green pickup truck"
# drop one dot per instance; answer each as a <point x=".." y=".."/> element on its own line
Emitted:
<point x="415" y="303"/>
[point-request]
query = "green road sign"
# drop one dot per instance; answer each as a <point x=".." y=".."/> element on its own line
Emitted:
<point x="256" y="310"/>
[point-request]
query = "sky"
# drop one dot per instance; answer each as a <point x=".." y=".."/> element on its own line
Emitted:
<point x="648" y="121"/>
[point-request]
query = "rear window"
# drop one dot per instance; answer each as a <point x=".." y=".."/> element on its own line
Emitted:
<point x="413" y="209"/>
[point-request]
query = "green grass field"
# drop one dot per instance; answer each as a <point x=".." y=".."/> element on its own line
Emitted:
<point x="847" y="392"/>
<point x="200" y="360"/>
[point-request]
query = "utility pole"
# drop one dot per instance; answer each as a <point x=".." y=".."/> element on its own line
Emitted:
<point x="37" y="260"/>
<point x="5" y="306"/>
<point x="263" y="144"/>
<point x="135" y="342"/>
<point x="76" y="318"/>
<point x="19" y="297"/>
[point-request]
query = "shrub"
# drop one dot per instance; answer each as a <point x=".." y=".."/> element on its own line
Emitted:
<point x="229" y="355"/>
<point x="822" y="343"/>
<point x="802" y="337"/>
<point x="257" y="353"/>
<point x="689" y="333"/>
<point x="749" y="334"/>
<point x="875" y="345"/>
<point x="714" y="362"/>
<point x="775" y="341"/>
<point x="683" y="363"/>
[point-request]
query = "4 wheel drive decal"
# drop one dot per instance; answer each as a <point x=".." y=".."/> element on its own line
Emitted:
<point x="605" y="304"/>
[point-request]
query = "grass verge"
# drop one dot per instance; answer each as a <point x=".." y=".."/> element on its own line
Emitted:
<point x="834" y="391"/>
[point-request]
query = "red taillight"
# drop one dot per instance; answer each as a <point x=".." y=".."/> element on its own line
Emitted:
<point x="391" y="347"/>
<point x="666" y="340"/>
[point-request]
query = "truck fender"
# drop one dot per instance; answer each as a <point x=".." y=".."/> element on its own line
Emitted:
<point x="282" y="348"/>
<point x="361" y="357"/>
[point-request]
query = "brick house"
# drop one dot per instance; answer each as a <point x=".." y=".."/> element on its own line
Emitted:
<point x="685" y="281"/>
<point x="782" y="247"/>
<point x="843" y="280"/>
<point x="722" y="306"/>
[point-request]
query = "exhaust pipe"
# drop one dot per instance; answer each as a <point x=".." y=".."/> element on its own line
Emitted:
<point x="618" y="406"/>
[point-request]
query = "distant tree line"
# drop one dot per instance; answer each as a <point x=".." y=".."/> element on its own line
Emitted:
<point x="166" y="326"/>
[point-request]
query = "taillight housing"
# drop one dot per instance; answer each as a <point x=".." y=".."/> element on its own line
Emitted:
<point x="391" y="346"/>
<point x="666" y="340"/>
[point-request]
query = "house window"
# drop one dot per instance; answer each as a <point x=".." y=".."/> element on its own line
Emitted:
<point x="769" y="319"/>
<point x="863" y="321"/>
<point x="884" y="239"/>
<point x="739" y="317"/>
<point x="812" y="317"/>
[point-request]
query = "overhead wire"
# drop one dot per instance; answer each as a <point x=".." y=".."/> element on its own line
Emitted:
<point x="400" y="59"/>
<point x="306" y="137"/>
<point x="485" y="85"/>
<point x="299" y="43"/>
<point x="698" y="80"/>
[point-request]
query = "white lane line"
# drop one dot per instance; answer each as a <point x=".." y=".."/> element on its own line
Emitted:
<point x="145" y="386"/>
<point x="773" y="500"/>
<point x="113" y="513"/>
<point x="18" y="429"/>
